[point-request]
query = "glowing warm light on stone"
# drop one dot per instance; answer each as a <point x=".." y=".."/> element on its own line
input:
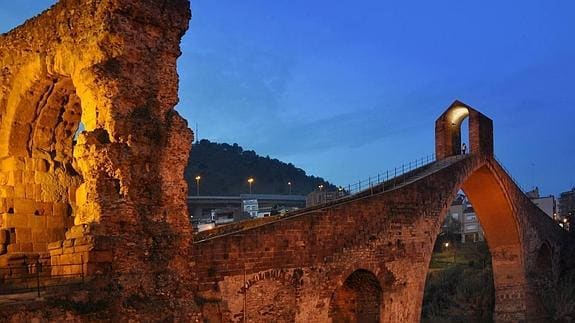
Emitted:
<point x="457" y="114"/>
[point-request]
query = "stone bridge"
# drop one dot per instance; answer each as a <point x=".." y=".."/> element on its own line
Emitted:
<point x="365" y="258"/>
<point x="108" y="201"/>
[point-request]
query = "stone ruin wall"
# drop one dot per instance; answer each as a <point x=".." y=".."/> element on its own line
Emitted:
<point x="114" y="200"/>
<point x="111" y="197"/>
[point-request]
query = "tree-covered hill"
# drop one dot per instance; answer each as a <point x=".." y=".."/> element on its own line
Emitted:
<point x="225" y="169"/>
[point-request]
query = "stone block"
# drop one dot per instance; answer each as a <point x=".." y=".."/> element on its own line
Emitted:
<point x="43" y="178"/>
<point x="4" y="236"/>
<point x="54" y="245"/>
<point x="55" y="255"/>
<point x="12" y="163"/>
<point x="3" y="205"/>
<point x="6" y="191"/>
<point x="40" y="236"/>
<point x="20" y="191"/>
<point x="30" y="191"/>
<point x="76" y="231"/>
<point x="83" y="248"/>
<point x="14" y="247"/>
<point x="16" y="220"/>
<point x="23" y="235"/>
<point x="54" y="222"/>
<point x="38" y="223"/>
<point x="44" y="208"/>
<point x="26" y="247"/>
<point x="24" y="206"/>
<point x="39" y="246"/>
<point x="68" y="243"/>
<point x="60" y="209"/>
<point x="51" y="193"/>
<point x="84" y="240"/>
<point x="14" y="177"/>
<point x="41" y="165"/>
<point x="37" y="192"/>
<point x="55" y="234"/>
<point x="29" y="164"/>
<point x="28" y="177"/>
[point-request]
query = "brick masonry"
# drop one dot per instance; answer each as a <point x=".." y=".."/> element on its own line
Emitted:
<point x="390" y="235"/>
<point x="111" y="65"/>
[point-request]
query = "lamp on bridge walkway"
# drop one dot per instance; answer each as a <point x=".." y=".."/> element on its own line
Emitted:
<point x="320" y="187"/>
<point x="250" y="181"/>
<point x="289" y="185"/>
<point x="198" y="185"/>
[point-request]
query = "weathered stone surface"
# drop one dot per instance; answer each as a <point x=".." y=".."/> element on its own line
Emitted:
<point x="110" y="199"/>
<point x="111" y="205"/>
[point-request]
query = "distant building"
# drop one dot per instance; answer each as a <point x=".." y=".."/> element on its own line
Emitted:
<point x="567" y="209"/>
<point x="471" y="230"/>
<point x="567" y="203"/>
<point x="546" y="203"/>
<point x="207" y="212"/>
<point x="250" y="206"/>
<point x="462" y="222"/>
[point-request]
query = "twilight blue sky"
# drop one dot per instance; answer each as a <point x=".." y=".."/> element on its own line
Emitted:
<point x="346" y="89"/>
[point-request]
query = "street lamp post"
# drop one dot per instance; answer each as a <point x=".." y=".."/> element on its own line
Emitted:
<point x="250" y="181"/>
<point x="198" y="185"/>
<point x="446" y="245"/>
<point x="320" y="187"/>
<point x="289" y="185"/>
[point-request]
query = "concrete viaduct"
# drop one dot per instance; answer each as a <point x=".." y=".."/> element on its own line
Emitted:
<point x="110" y="202"/>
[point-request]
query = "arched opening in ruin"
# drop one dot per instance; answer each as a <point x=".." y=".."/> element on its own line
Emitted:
<point x="359" y="299"/>
<point x="498" y="221"/>
<point x="38" y="168"/>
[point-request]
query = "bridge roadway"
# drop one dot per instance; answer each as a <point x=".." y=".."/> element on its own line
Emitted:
<point x="396" y="182"/>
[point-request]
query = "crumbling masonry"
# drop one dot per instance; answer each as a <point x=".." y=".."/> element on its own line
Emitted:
<point x="108" y="201"/>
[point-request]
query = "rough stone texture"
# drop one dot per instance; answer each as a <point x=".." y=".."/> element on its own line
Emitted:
<point x="110" y="202"/>
<point x="112" y="205"/>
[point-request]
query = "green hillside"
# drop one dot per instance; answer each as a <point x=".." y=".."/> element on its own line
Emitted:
<point x="225" y="169"/>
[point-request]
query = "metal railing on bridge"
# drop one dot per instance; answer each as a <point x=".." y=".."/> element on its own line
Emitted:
<point x="394" y="176"/>
<point x="388" y="175"/>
